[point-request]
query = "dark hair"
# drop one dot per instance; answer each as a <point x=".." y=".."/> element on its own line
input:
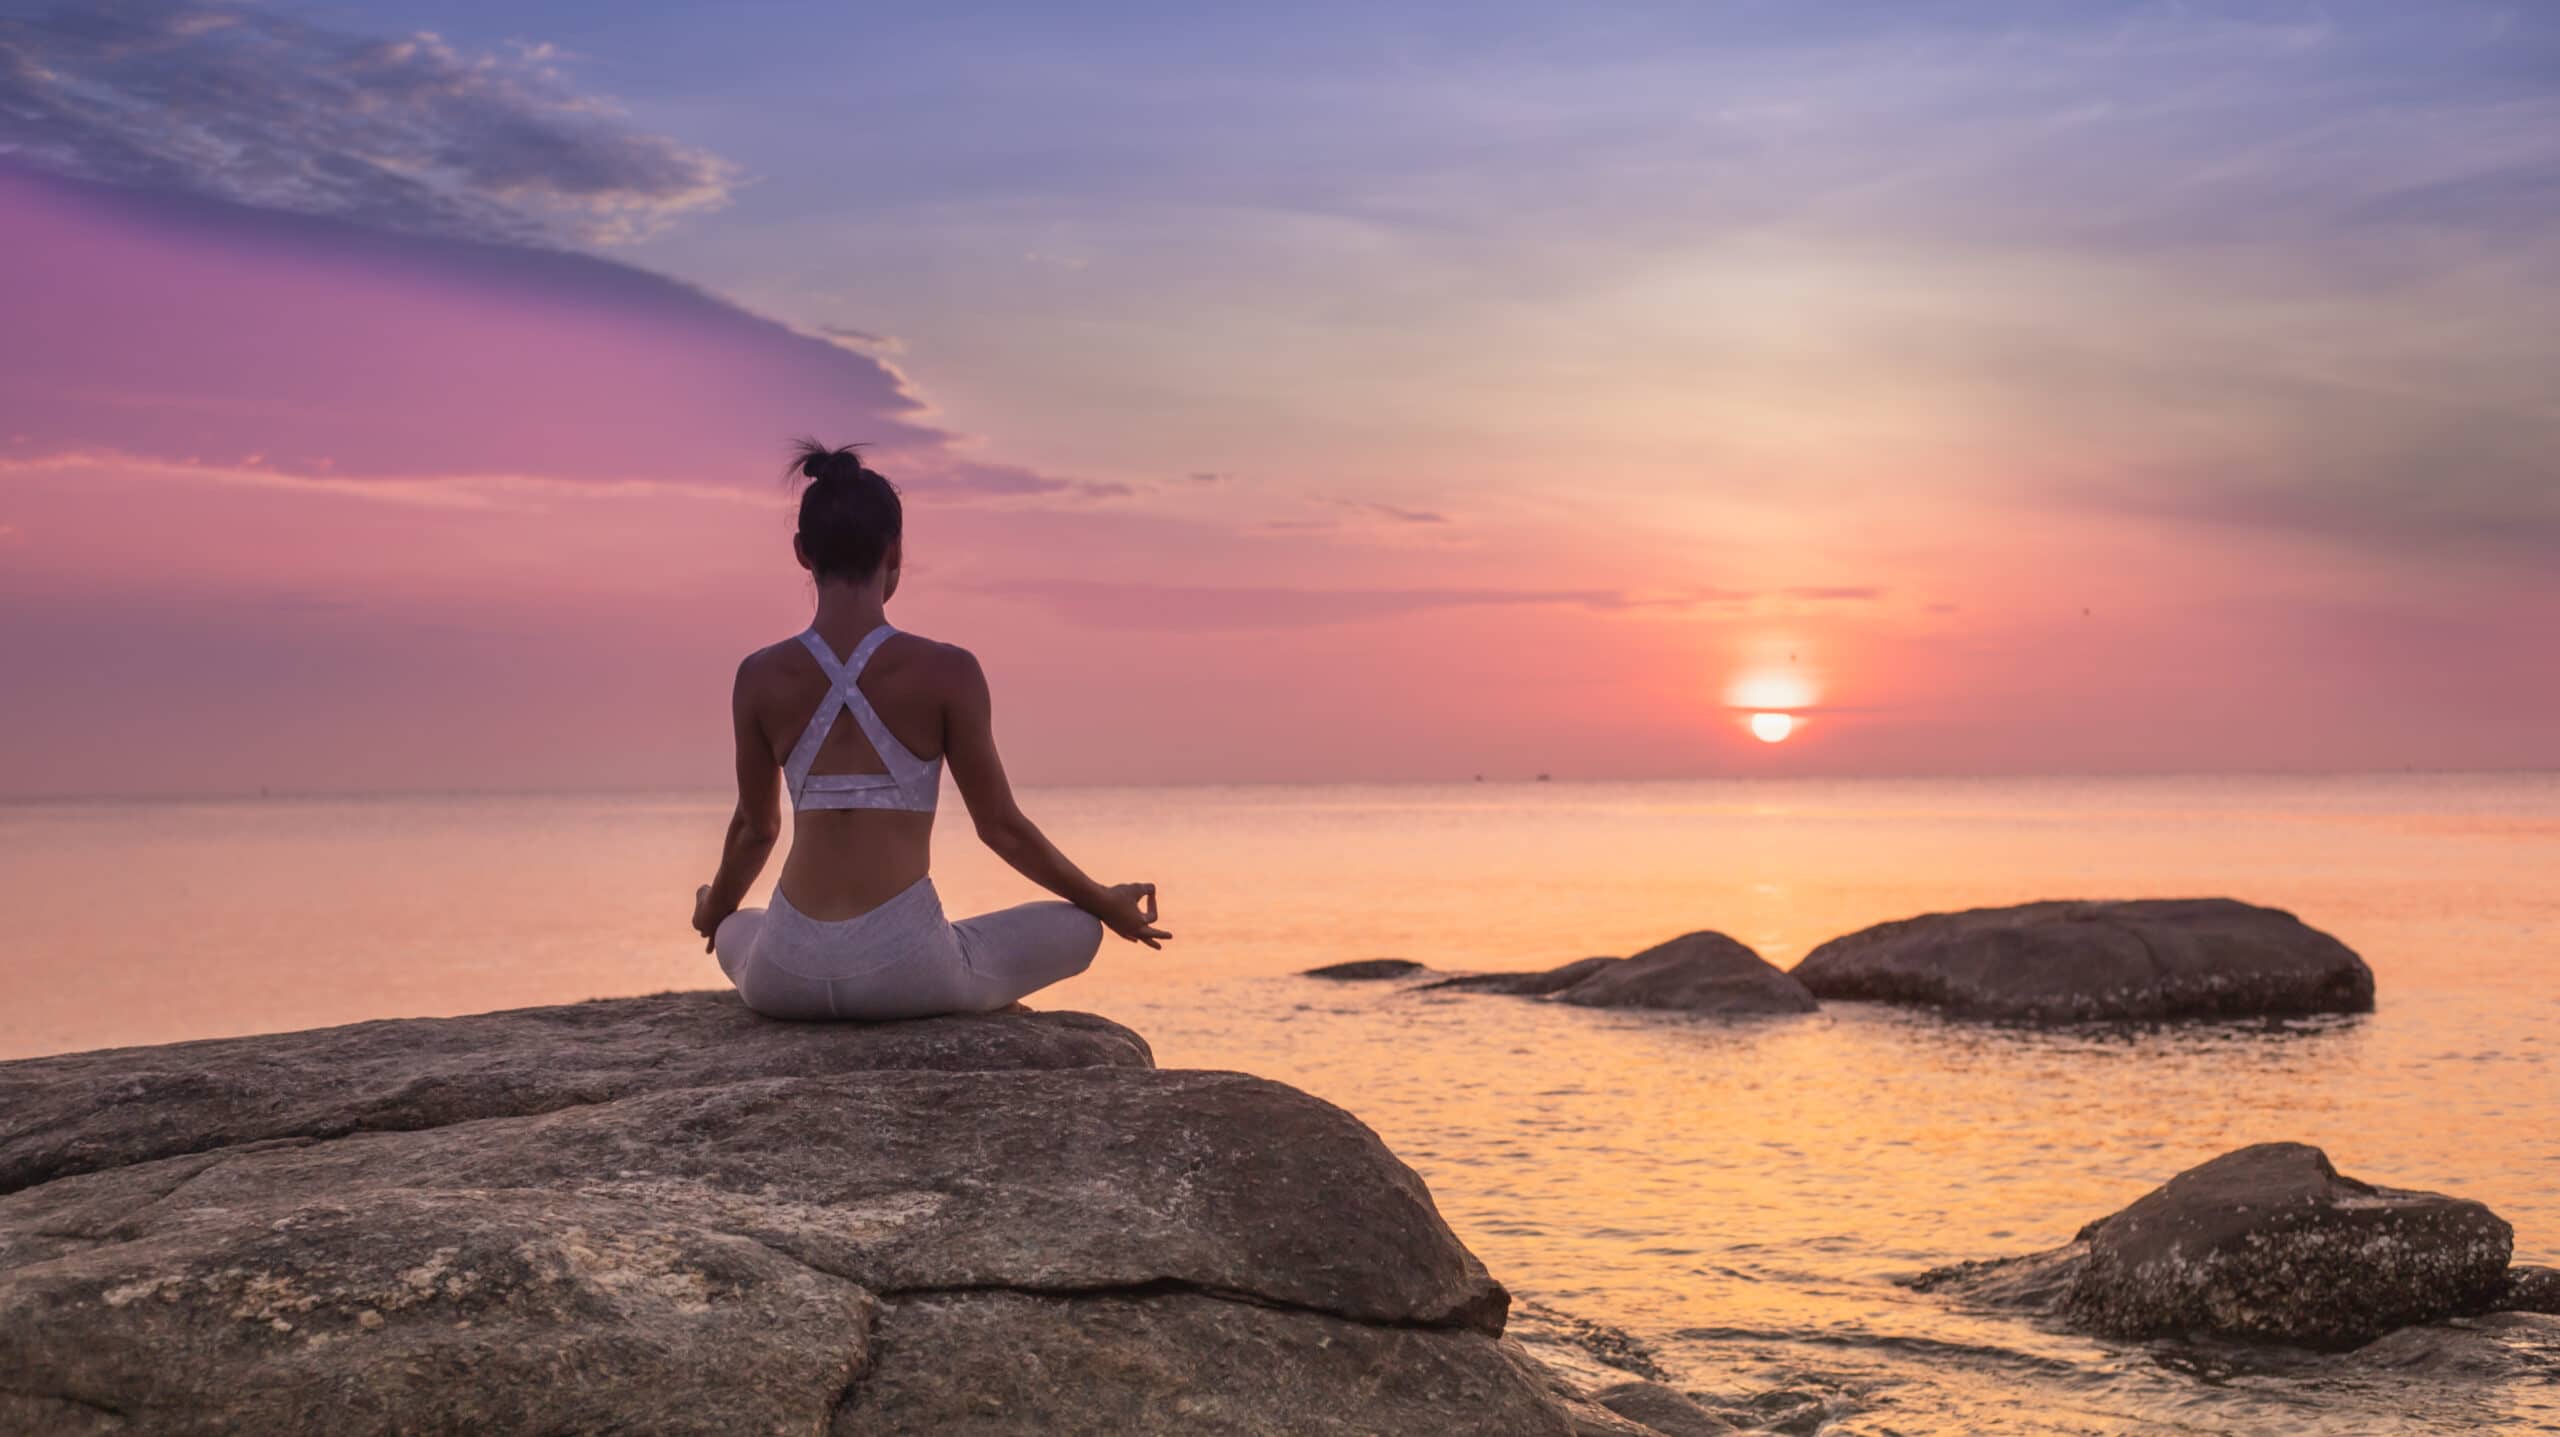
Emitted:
<point x="849" y="515"/>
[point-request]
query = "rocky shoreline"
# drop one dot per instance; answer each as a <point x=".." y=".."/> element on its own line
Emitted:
<point x="666" y="1215"/>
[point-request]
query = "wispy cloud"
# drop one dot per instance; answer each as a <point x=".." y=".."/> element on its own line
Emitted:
<point x="1395" y="513"/>
<point x="1102" y="604"/>
<point x="405" y="132"/>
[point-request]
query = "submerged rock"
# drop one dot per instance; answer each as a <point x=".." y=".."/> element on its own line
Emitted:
<point x="2265" y="1244"/>
<point x="1366" y="970"/>
<point x="773" y="1227"/>
<point x="1533" y="985"/>
<point x="2494" y="1348"/>
<point x="1663" y="1409"/>
<point x="2141" y="961"/>
<point x="1700" y="972"/>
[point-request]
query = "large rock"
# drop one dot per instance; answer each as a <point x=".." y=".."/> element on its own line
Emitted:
<point x="1701" y="972"/>
<point x="81" y="1111"/>
<point x="2078" y="962"/>
<point x="2265" y="1244"/>
<point x="862" y="1248"/>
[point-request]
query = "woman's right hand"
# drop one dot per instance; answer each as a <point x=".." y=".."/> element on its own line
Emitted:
<point x="1129" y="909"/>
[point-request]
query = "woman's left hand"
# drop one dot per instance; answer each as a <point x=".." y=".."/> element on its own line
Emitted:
<point x="705" y="922"/>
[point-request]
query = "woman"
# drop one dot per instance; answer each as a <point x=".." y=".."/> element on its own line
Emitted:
<point x="855" y="719"/>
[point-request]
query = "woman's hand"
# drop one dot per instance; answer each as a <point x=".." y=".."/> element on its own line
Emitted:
<point x="1129" y="909"/>
<point x="706" y="922"/>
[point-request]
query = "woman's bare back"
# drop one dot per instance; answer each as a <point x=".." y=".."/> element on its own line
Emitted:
<point x="846" y="862"/>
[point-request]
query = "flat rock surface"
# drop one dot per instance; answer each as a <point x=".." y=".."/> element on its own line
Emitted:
<point x="2264" y="1244"/>
<point x="872" y="1248"/>
<point x="2141" y="961"/>
<point x="83" y="1111"/>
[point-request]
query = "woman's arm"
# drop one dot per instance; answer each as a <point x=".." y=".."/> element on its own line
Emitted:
<point x="969" y="742"/>
<point x="753" y="827"/>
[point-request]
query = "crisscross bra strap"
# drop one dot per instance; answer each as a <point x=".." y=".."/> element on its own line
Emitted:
<point x="910" y="784"/>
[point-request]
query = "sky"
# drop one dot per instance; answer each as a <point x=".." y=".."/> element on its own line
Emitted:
<point x="395" y="396"/>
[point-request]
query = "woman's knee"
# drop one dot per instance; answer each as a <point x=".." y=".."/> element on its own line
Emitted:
<point x="1083" y="936"/>
<point x="733" y="937"/>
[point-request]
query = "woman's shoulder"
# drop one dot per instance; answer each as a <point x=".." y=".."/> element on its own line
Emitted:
<point x="930" y="659"/>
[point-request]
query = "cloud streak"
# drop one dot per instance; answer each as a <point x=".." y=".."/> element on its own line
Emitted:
<point x="1106" y="605"/>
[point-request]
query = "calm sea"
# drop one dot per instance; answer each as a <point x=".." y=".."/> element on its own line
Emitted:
<point x="1737" y="1198"/>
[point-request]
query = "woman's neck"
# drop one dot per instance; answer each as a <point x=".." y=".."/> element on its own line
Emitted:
<point x="849" y="610"/>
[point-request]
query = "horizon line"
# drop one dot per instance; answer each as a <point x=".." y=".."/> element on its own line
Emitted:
<point x="270" y="794"/>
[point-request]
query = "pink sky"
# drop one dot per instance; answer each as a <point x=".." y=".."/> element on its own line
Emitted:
<point x="293" y="502"/>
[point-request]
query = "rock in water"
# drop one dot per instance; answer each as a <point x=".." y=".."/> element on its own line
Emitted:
<point x="1702" y="972"/>
<point x="2265" y="1244"/>
<point x="1531" y="985"/>
<point x="2532" y="1289"/>
<point x="771" y="1227"/>
<point x="1663" y="1409"/>
<point x="1366" y="970"/>
<point x="2141" y="961"/>
<point x="1694" y="973"/>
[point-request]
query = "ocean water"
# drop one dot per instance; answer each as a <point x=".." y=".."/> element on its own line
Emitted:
<point x="1738" y="1199"/>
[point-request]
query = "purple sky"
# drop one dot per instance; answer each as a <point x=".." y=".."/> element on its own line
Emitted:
<point x="395" y="398"/>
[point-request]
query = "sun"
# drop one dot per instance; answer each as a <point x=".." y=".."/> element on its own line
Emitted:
<point x="1772" y="727"/>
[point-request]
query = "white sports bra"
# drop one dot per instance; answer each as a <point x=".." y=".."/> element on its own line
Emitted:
<point x="911" y="784"/>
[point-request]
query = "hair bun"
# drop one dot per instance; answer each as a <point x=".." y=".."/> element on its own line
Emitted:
<point x="833" y="464"/>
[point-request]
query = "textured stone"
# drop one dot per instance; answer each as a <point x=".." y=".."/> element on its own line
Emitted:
<point x="699" y="1247"/>
<point x="1012" y="1363"/>
<point x="2149" y="960"/>
<point x="83" y="1111"/>
<point x="2265" y="1244"/>
<point x="2531" y="1289"/>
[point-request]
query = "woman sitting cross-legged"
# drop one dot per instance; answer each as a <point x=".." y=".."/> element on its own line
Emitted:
<point x="856" y="720"/>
